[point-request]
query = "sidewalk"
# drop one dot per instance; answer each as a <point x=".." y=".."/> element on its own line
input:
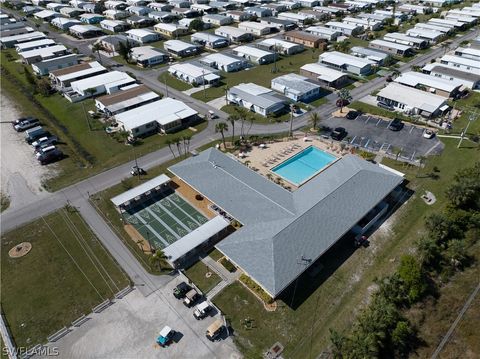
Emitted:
<point x="226" y="276"/>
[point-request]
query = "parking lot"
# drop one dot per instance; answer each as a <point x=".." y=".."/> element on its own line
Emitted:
<point x="129" y="327"/>
<point x="372" y="133"/>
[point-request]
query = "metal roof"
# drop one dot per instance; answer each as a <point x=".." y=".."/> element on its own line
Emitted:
<point x="164" y="111"/>
<point x="280" y="228"/>
<point x="294" y="83"/>
<point x="417" y="78"/>
<point x="413" y="98"/>
<point x="341" y="59"/>
<point x="256" y="95"/>
<point x="192" y="240"/>
<point x="140" y="190"/>
<point x="324" y="73"/>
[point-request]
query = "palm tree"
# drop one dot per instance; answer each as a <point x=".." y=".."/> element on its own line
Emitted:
<point x="343" y="95"/>
<point x="177" y="143"/>
<point x="159" y="260"/>
<point x="222" y="127"/>
<point x="169" y="143"/>
<point x="314" y="120"/>
<point x="242" y="115"/>
<point x="232" y="119"/>
<point x="396" y="73"/>
<point x="186" y="140"/>
<point x="96" y="48"/>
<point x="342" y="46"/>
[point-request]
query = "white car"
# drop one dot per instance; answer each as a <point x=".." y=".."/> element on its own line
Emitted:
<point x="428" y="134"/>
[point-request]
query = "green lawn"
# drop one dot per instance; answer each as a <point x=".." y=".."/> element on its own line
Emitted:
<point x="332" y="299"/>
<point x="174" y="82"/>
<point x="65" y="275"/>
<point x="88" y="147"/>
<point x="197" y="274"/>
<point x="260" y="74"/>
<point x="215" y="254"/>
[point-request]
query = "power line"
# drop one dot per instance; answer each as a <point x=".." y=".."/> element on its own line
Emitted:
<point x="72" y="258"/>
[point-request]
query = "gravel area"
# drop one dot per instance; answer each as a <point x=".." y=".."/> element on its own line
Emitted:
<point x="21" y="174"/>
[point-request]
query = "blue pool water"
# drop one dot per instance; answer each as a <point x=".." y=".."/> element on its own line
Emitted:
<point x="303" y="165"/>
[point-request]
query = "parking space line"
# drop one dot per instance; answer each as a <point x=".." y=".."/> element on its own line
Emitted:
<point x="353" y="139"/>
<point x="378" y="122"/>
<point x="411" y="129"/>
<point x="366" y="144"/>
<point x="368" y="119"/>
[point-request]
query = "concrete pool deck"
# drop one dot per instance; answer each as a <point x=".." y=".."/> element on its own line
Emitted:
<point x="263" y="159"/>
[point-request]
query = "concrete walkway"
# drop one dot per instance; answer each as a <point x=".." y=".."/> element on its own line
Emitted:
<point x="144" y="281"/>
<point x="226" y="276"/>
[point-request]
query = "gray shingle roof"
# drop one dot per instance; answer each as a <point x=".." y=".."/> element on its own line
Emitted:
<point x="281" y="227"/>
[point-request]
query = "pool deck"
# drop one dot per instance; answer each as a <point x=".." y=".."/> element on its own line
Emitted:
<point x="263" y="159"/>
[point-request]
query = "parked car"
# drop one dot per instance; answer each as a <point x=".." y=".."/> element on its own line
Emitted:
<point x="191" y="297"/>
<point x="137" y="171"/>
<point x="201" y="310"/>
<point x="395" y="125"/>
<point x="428" y="134"/>
<point x="25" y="124"/>
<point x="34" y="133"/>
<point x="44" y="141"/>
<point x="165" y="336"/>
<point x="214" y="330"/>
<point x="342" y="102"/>
<point x="45" y="150"/>
<point x="212" y="114"/>
<point x="352" y="115"/>
<point x="339" y="133"/>
<point x="180" y="290"/>
<point x="51" y="156"/>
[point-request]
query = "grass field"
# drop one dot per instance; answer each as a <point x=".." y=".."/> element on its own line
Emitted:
<point x="4" y="202"/>
<point x="197" y="272"/>
<point x="260" y="74"/>
<point x="65" y="275"/>
<point x="173" y="82"/>
<point x="88" y="147"/>
<point x="332" y="299"/>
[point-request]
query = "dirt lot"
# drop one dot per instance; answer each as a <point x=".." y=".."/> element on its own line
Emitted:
<point x="21" y="174"/>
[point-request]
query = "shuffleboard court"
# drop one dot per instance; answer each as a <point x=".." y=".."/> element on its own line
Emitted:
<point x="164" y="219"/>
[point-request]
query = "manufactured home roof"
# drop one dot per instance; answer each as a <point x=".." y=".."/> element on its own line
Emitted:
<point x="43" y="52"/>
<point x="230" y="30"/>
<point x="32" y="44"/>
<point x="324" y="73"/>
<point x="195" y="70"/>
<point x="401" y="36"/>
<point x="284" y="232"/>
<point x="461" y="60"/>
<point x="164" y="111"/>
<point x="73" y="71"/>
<point x="417" y="78"/>
<point x="252" y="51"/>
<point x="110" y="78"/>
<point x="394" y="45"/>
<point x="295" y="83"/>
<point x="280" y="43"/>
<point x="140" y="189"/>
<point x="340" y="59"/>
<point x="412" y="97"/>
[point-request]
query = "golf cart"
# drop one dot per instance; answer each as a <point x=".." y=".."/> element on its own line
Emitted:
<point x="165" y="336"/>
<point x="180" y="290"/>
<point x="202" y="310"/>
<point x="361" y="241"/>
<point x="137" y="171"/>
<point x="214" y="330"/>
<point x="190" y="298"/>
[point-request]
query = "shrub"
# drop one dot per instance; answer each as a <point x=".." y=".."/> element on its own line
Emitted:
<point x="228" y="265"/>
<point x="256" y="288"/>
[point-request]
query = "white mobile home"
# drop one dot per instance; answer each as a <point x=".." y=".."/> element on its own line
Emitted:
<point x="234" y="34"/>
<point x="401" y="38"/>
<point x="32" y="45"/>
<point x="344" y="28"/>
<point x="460" y="62"/>
<point x="142" y="36"/>
<point x="62" y="78"/>
<point x="345" y="62"/>
<point x="391" y="47"/>
<point x="255" y="28"/>
<point x="296" y="87"/>
<point x="43" y="67"/>
<point x="324" y="32"/>
<point x="257" y="99"/>
<point x="165" y="115"/>
<point x="280" y="46"/>
<point x="109" y="83"/>
<point x="146" y="56"/>
<point x="432" y="84"/>
<point x="325" y="75"/>
<point x="227" y="63"/>
<point x="121" y="101"/>
<point x="255" y="55"/>
<point x="209" y="40"/>
<point x="194" y="73"/>
<point x="412" y="101"/>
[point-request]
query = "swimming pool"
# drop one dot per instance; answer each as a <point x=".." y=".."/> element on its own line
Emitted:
<point x="303" y="165"/>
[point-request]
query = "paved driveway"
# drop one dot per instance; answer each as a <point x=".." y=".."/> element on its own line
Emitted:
<point x="373" y="133"/>
<point x="129" y="327"/>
